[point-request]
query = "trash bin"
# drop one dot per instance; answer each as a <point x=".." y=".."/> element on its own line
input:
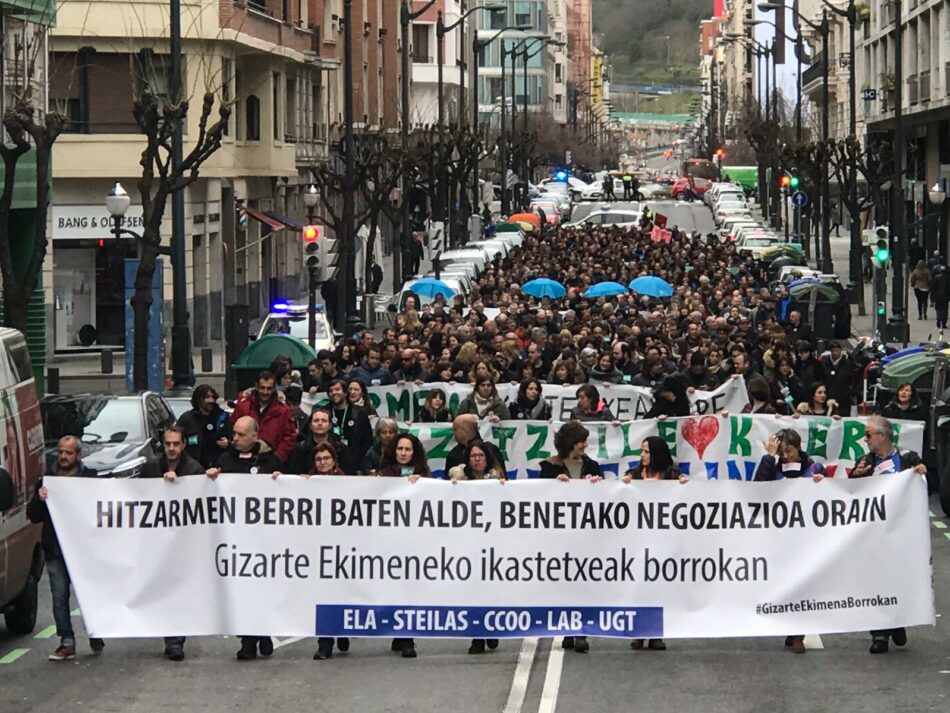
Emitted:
<point x="368" y="308"/>
<point x="259" y="355"/>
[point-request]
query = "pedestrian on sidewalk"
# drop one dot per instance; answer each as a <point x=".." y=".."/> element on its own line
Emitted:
<point x="920" y="280"/>
<point x="940" y="294"/>
<point x="68" y="463"/>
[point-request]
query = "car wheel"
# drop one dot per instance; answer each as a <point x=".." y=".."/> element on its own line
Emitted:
<point x="20" y="618"/>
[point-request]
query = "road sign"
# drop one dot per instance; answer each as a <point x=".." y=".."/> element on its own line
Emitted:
<point x="869" y="94"/>
<point x="800" y="199"/>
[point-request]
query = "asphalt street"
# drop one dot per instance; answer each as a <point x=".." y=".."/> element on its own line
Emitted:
<point x="530" y="676"/>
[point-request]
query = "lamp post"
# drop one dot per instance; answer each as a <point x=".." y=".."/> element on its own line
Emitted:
<point x="348" y="303"/>
<point x="477" y="47"/>
<point x="405" y="19"/>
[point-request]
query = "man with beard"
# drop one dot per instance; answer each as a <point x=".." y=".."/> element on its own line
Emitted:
<point x="276" y="423"/>
<point x="350" y="424"/>
<point x="248" y="454"/>
<point x="206" y="426"/>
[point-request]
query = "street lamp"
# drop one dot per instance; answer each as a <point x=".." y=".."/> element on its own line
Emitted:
<point x="310" y="198"/>
<point x="477" y="47"/>
<point x="117" y="203"/>
<point x="937" y="195"/>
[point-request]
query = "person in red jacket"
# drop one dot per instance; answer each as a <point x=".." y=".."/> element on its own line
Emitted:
<point x="277" y="426"/>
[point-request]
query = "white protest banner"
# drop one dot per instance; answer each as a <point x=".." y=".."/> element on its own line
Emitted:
<point x="712" y="446"/>
<point x="625" y="402"/>
<point x="364" y="557"/>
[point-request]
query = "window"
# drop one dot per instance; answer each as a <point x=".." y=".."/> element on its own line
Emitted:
<point x="275" y="105"/>
<point x="557" y="101"/>
<point x="290" y="111"/>
<point x="421" y="53"/>
<point x="226" y="90"/>
<point x="497" y="20"/>
<point x="259" y="5"/>
<point x="558" y="72"/>
<point x="252" y="118"/>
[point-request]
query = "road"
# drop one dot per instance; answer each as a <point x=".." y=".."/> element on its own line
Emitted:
<point x="522" y="676"/>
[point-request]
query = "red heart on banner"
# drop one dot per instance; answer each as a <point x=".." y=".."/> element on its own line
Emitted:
<point x="700" y="432"/>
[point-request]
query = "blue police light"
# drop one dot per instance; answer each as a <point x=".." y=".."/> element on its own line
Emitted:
<point x="560" y="175"/>
<point x="280" y="307"/>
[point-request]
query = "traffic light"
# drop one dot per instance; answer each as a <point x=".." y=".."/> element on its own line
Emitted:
<point x="785" y="181"/>
<point x="881" y="309"/>
<point x="720" y="153"/>
<point x="793" y="181"/>
<point x="329" y="257"/>
<point x="881" y="254"/>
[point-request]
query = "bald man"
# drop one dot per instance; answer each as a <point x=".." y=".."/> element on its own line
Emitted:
<point x="248" y="454"/>
<point x="465" y="430"/>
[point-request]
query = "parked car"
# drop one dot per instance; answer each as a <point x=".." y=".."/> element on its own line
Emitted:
<point x="561" y="195"/>
<point x="611" y="217"/>
<point x="756" y="244"/>
<point x="21" y="465"/>
<point x="291" y="318"/>
<point x="118" y="433"/>
<point x="476" y="256"/>
<point x="552" y="211"/>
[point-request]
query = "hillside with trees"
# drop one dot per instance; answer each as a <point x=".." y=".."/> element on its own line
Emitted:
<point x="651" y="41"/>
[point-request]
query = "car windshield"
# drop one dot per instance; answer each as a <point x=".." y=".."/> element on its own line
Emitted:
<point x="93" y="419"/>
<point x="759" y="242"/>
<point x="296" y="325"/>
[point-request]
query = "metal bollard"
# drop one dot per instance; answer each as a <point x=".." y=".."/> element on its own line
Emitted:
<point x="105" y="357"/>
<point x="52" y="380"/>
<point x="207" y="359"/>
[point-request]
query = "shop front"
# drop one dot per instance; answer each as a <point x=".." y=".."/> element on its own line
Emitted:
<point x="89" y="277"/>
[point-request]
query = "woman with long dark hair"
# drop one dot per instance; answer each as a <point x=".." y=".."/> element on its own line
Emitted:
<point x="435" y="410"/>
<point x="530" y="404"/>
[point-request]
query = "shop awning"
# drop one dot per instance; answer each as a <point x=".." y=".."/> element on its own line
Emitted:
<point x="264" y="218"/>
<point x="289" y="222"/>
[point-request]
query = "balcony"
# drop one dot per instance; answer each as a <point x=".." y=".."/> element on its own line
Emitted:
<point x="814" y="74"/>
<point x="912" y="90"/>
<point x="924" y="86"/>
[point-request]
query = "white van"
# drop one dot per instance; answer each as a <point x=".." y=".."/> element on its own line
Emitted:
<point x="21" y="467"/>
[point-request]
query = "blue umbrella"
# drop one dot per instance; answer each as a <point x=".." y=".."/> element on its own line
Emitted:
<point x="651" y="286"/>
<point x="543" y="287"/>
<point x="430" y="287"/>
<point x="605" y="289"/>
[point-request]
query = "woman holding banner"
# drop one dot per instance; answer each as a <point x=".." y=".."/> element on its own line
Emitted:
<point x="590" y="407"/>
<point x="784" y="458"/>
<point x="434" y="409"/>
<point x="484" y="401"/>
<point x="571" y="462"/>
<point x="530" y="404"/>
<point x="385" y="432"/>
<point x="656" y="463"/>
<point x="818" y="403"/>
<point x="405" y="458"/>
<point x="480" y="464"/>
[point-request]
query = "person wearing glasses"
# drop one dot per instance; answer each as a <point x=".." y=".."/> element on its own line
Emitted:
<point x="784" y="458"/>
<point x="884" y="458"/>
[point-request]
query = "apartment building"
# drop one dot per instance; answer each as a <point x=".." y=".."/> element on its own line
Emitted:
<point x="738" y="61"/>
<point x="558" y="60"/>
<point x="580" y="51"/>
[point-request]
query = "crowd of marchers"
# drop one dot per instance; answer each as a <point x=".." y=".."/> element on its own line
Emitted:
<point x="723" y="321"/>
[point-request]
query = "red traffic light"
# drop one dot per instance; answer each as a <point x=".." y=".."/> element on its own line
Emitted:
<point x="785" y="181"/>
<point x="311" y="233"/>
<point x="721" y="153"/>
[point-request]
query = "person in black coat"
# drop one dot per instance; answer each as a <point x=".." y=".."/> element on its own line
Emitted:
<point x="839" y="374"/>
<point x="465" y="430"/>
<point x="571" y="462"/>
<point x="316" y="431"/>
<point x="906" y="405"/>
<point x="350" y="424"/>
<point x="530" y="404"/>
<point x="434" y="409"/>
<point x="884" y="459"/>
<point x="173" y="463"/>
<point x="247" y="454"/>
<point x="206" y="426"/>
<point x="940" y="294"/>
<point x="68" y="463"/>
<point x="807" y="368"/>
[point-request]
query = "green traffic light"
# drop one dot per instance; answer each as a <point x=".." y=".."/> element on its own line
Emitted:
<point x="880" y="310"/>
<point x="882" y="255"/>
<point x="793" y="182"/>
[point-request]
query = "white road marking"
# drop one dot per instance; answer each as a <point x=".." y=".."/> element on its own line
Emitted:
<point x="813" y="641"/>
<point x="519" y="684"/>
<point x="552" y="677"/>
<point x="286" y="642"/>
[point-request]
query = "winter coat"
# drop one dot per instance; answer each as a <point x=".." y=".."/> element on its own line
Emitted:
<point x="904" y="460"/>
<point x="773" y="468"/>
<point x="442" y="416"/>
<point x="497" y="407"/>
<point x="301" y="458"/>
<point x="202" y="432"/>
<point x="462" y="472"/>
<point x="839" y="381"/>
<point x="615" y="376"/>
<point x="260" y="460"/>
<point x="601" y="414"/>
<point x="157" y="467"/>
<point x="554" y="468"/>
<point x="456" y="456"/>
<point x="276" y="424"/>
<point x="351" y="426"/>
<point x="915" y="412"/>
<point x="522" y="410"/>
<point x="372" y="377"/>
<point x="37" y="512"/>
<point x="671" y="473"/>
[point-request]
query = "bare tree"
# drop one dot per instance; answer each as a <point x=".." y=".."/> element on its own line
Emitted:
<point x="28" y="126"/>
<point x="161" y="178"/>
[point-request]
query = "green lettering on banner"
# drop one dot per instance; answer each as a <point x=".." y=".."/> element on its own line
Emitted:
<point x="374" y="401"/>
<point x="601" y="443"/>
<point x="628" y="448"/>
<point x="442" y="436"/>
<point x="501" y="435"/>
<point x="851" y="434"/>
<point x="897" y="433"/>
<point x="399" y="408"/>
<point x="818" y="436"/>
<point x="453" y="405"/>
<point x="419" y="400"/>
<point x="740" y="428"/>
<point x="667" y="431"/>
<point x="537" y="451"/>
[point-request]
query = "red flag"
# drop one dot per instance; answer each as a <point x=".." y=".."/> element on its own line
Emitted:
<point x="659" y="220"/>
<point x="656" y="235"/>
<point x="666" y="235"/>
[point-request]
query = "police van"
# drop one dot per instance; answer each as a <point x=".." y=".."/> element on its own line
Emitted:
<point x="21" y="466"/>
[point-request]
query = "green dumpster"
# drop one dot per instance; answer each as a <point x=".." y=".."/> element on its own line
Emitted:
<point x="259" y="355"/>
<point x="916" y="369"/>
